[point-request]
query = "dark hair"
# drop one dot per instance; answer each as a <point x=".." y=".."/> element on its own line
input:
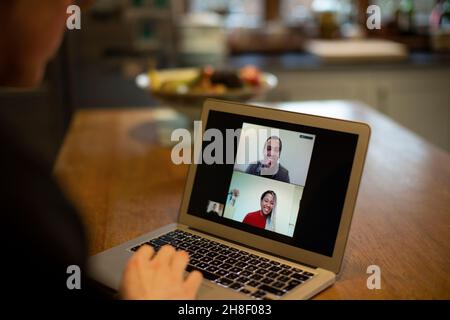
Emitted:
<point x="275" y="138"/>
<point x="274" y="195"/>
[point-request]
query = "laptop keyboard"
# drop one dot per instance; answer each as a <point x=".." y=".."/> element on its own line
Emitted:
<point x="239" y="270"/>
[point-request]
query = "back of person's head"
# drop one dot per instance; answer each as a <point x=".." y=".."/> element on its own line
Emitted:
<point x="30" y="34"/>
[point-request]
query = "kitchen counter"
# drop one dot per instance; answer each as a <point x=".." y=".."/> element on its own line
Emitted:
<point x="306" y="61"/>
<point x="414" y="92"/>
<point x="125" y="185"/>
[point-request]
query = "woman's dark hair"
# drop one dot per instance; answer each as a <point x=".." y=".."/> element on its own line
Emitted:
<point x="275" y="138"/>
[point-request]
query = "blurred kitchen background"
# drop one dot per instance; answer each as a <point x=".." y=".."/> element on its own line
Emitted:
<point x="405" y="74"/>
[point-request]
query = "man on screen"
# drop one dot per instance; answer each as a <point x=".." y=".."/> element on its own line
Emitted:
<point x="214" y="210"/>
<point x="270" y="166"/>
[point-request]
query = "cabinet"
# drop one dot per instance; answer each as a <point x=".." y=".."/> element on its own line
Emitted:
<point x="419" y="99"/>
<point x="152" y="26"/>
<point x="143" y="30"/>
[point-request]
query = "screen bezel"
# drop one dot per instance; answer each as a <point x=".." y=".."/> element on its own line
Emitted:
<point x="280" y="249"/>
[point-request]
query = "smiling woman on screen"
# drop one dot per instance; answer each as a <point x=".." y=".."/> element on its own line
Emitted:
<point x="265" y="217"/>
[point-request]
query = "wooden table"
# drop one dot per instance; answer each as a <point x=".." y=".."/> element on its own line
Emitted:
<point x="125" y="184"/>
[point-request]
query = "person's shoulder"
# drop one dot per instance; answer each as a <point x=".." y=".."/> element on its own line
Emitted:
<point x="252" y="167"/>
<point x="252" y="214"/>
<point x="282" y="169"/>
<point x="283" y="174"/>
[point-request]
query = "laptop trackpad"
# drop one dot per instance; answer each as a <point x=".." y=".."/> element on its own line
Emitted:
<point x="211" y="291"/>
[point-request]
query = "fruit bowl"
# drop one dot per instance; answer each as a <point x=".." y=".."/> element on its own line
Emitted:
<point x="185" y="89"/>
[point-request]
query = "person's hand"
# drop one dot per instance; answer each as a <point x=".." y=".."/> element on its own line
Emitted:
<point x="268" y="163"/>
<point x="269" y="167"/>
<point x="159" y="277"/>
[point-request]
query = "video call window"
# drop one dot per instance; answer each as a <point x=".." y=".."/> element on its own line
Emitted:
<point x="272" y="153"/>
<point x="271" y="206"/>
<point x="214" y="208"/>
<point x="268" y="179"/>
<point x="304" y="210"/>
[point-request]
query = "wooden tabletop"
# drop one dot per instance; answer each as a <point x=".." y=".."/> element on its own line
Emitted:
<point x="124" y="184"/>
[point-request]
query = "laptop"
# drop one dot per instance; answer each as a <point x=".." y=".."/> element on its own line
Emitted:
<point x="267" y="206"/>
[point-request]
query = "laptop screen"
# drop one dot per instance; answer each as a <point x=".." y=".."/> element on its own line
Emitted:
<point x="283" y="181"/>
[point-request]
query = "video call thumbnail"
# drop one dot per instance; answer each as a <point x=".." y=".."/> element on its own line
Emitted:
<point x="272" y="153"/>
<point x="214" y="208"/>
<point x="267" y="204"/>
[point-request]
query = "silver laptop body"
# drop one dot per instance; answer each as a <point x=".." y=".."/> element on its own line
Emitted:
<point x="107" y="267"/>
